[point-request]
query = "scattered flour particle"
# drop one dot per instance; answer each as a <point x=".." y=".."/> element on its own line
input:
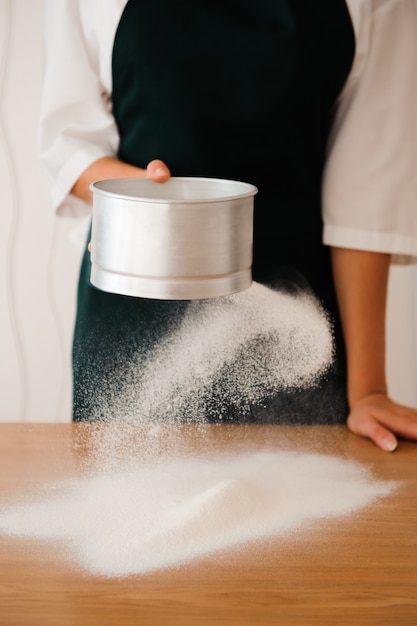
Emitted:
<point x="246" y="347"/>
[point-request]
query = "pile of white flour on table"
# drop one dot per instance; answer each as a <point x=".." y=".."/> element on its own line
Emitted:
<point x="164" y="513"/>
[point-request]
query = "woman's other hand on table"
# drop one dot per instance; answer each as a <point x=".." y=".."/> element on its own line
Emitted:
<point x="381" y="419"/>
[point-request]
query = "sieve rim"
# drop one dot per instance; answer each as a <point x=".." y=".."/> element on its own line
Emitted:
<point x="104" y="187"/>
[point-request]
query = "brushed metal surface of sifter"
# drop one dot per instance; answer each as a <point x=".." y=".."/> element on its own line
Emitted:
<point x="187" y="238"/>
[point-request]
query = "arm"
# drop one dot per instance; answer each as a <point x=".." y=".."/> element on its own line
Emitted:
<point x="110" y="167"/>
<point x="78" y="137"/>
<point x="361" y="280"/>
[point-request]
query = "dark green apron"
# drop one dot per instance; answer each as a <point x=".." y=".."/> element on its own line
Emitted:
<point x="233" y="89"/>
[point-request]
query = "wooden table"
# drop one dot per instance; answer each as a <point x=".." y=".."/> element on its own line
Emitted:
<point x="359" y="570"/>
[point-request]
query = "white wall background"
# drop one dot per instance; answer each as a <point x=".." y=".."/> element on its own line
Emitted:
<point x="39" y="264"/>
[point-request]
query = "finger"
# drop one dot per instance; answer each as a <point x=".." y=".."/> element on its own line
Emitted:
<point x="90" y="246"/>
<point x="158" y="171"/>
<point x="399" y="419"/>
<point x="369" y="427"/>
<point x="404" y="423"/>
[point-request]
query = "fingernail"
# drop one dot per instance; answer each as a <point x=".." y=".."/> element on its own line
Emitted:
<point x="160" y="171"/>
<point x="389" y="444"/>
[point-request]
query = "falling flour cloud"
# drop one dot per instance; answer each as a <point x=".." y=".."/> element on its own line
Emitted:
<point x="136" y="513"/>
<point x="256" y="342"/>
<point x="168" y="512"/>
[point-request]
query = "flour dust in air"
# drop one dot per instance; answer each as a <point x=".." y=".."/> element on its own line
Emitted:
<point x="246" y="347"/>
<point x="130" y="513"/>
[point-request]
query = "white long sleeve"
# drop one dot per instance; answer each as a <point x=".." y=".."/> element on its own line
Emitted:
<point x="76" y="123"/>
<point x="370" y="180"/>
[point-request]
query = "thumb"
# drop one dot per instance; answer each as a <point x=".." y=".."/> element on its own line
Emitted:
<point x="158" y="171"/>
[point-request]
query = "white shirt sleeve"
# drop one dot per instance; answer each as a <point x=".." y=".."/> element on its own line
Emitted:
<point x="370" y="178"/>
<point x="76" y="124"/>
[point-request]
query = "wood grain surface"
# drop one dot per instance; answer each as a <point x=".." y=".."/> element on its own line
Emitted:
<point x="361" y="569"/>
